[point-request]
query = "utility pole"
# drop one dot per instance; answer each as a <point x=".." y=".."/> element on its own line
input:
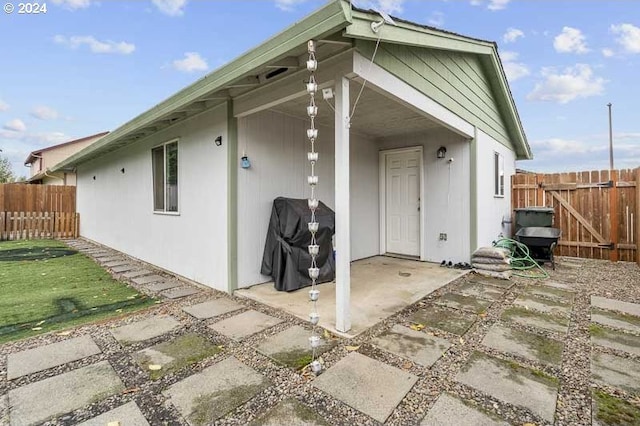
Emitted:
<point x="610" y="139"/>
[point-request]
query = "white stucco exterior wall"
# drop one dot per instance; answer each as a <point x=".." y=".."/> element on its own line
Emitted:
<point x="445" y="193"/>
<point x="116" y="209"/>
<point x="492" y="209"/>
<point x="276" y="145"/>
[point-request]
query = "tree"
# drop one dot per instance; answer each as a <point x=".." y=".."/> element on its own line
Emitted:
<point x="6" y="173"/>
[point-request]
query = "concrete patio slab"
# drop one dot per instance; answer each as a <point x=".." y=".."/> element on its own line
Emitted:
<point x="536" y="319"/>
<point x="616" y="371"/>
<point x="148" y="279"/>
<point x="556" y="284"/>
<point x="505" y="284"/>
<point x="291" y="347"/>
<point x="291" y="412"/>
<point x="45" y="357"/>
<point x="165" y="285"/>
<point x="115" y="263"/>
<point x="212" y="308"/>
<point x="413" y="345"/>
<point x="616" y="305"/>
<point x="483" y="291"/>
<point x="615" y="339"/>
<point x="542" y="305"/>
<point x="366" y="384"/>
<point x="179" y="292"/>
<point x="527" y="345"/>
<point x="127" y="415"/>
<point x="449" y="410"/>
<point x="137" y="273"/>
<point x="145" y="329"/>
<point x="124" y="268"/>
<point x="465" y="303"/>
<point x="551" y="293"/>
<point x="511" y="383"/>
<point x="212" y="393"/>
<point x="175" y="354"/>
<point x="452" y="321"/>
<point x="616" y="320"/>
<point x="245" y="324"/>
<point x="40" y="401"/>
<point x="377" y="285"/>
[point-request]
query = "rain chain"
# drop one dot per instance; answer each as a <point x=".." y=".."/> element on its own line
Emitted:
<point x="312" y="180"/>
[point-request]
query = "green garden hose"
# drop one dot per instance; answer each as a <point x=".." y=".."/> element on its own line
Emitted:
<point x="520" y="259"/>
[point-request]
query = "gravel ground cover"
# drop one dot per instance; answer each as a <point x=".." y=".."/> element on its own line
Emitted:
<point x="581" y="399"/>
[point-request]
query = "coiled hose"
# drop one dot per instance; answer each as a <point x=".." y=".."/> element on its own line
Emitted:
<point x="521" y="260"/>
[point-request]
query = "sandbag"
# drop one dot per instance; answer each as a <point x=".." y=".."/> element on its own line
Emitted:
<point x="493" y="252"/>
<point x="492" y="274"/>
<point x="492" y="267"/>
<point x="490" y="260"/>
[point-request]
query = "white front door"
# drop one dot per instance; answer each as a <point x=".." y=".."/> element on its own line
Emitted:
<point x="403" y="203"/>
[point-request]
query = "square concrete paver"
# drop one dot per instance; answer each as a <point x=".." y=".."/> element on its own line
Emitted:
<point x="528" y="345"/>
<point x="40" y="401"/>
<point x="615" y="371"/>
<point x="212" y="393"/>
<point x="413" y="345"/>
<point x="536" y="319"/>
<point x="512" y="384"/>
<point x="148" y="279"/>
<point x="465" y="303"/>
<point x="542" y="305"/>
<point x="616" y="305"/>
<point x="615" y="339"/>
<point x="145" y="329"/>
<point x="291" y="347"/>
<point x="53" y="355"/>
<point x="450" y="320"/>
<point x="179" y="292"/>
<point x="496" y="282"/>
<point x="127" y="415"/>
<point x="366" y="384"/>
<point x="212" y="308"/>
<point x="549" y="292"/>
<point x="449" y="410"/>
<point x="107" y="259"/>
<point x="165" y="285"/>
<point x="116" y="263"/>
<point x="480" y="290"/>
<point x="291" y="412"/>
<point x="245" y="324"/>
<point x="616" y="320"/>
<point x="123" y="268"/>
<point x="136" y="273"/>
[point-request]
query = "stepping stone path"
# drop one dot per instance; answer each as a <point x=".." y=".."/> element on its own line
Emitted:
<point x="206" y="396"/>
<point x="414" y="345"/>
<point x="536" y="319"/>
<point x="528" y="345"/>
<point x="291" y="347"/>
<point x="212" y="308"/>
<point x="481" y="291"/>
<point x="136" y="273"/>
<point x="616" y="371"/>
<point x="291" y="413"/>
<point x="615" y="339"/>
<point x="156" y="287"/>
<point x="366" y="384"/>
<point x="449" y="320"/>
<point x="616" y="305"/>
<point x="543" y="305"/>
<point x="465" y="303"/>
<point x="451" y="411"/>
<point x="245" y="324"/>
<point x="40" y="401"/>
<point x="148" y="279"/>
<point x="53" y="355"/>
<point x="552" y="293"/>
<point x="145" y="329"/>
<point x="512" y="384"/>
<point x="126" y="415"/>
<point x="123" y="268"/>
<point x="115" y="263"/>
<point x="616" y="320"/>
<point x="179" y="292"/>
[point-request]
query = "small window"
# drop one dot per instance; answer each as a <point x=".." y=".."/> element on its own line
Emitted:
<point x="165" y="177"/>
<point x="498" y="161"/>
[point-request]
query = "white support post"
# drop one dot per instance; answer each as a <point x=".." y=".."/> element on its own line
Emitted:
<point x="343" y="226"/>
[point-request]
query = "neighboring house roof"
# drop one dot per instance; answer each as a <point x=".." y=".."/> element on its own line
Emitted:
<point x="34" y="155"/>
<point x="336" y="22"/>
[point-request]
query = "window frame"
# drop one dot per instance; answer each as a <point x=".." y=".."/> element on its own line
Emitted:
<point x="164" y="210"/>
<point x="498" y="175"/>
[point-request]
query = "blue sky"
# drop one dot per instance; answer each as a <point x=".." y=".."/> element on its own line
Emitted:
<point x="86" y="66"/>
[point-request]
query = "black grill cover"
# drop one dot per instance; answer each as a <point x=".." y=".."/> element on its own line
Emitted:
<point x="286" y="256"/>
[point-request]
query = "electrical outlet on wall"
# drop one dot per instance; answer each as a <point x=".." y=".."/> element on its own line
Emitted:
<point x="443" y="236"/>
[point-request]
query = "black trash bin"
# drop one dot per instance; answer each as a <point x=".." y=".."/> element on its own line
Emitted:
<point x="541" y="217"/>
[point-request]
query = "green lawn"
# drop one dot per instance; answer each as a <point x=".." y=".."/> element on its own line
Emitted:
<point x="45" y="286"/>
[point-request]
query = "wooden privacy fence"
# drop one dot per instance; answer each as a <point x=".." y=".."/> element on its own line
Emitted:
<point x="32" y="225"/>
<point x="18" y="197"/>
<point x="598" y="211"/>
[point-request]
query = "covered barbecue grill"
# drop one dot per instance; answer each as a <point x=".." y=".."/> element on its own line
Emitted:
<point x="286" y="257"/>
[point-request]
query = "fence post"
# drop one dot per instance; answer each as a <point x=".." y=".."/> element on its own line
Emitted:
<point x="638" y="216"/>
<point x="613" y="215"/>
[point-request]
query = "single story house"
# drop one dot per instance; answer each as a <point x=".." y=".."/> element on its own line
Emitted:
<point x="41" y="161"/>
<point x="415" y="153"/>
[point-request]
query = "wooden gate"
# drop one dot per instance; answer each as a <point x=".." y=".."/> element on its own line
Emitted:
<point x="598" y="211"/>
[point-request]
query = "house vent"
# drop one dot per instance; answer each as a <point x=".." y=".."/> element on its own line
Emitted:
<point x="275" y="73"/>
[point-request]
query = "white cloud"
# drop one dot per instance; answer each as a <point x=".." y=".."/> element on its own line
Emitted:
<point x="191" y="62"/>
<point x="628" y="37"/>
<point x="3" y="106"/>
<point x="436" y="19"/>
<point x="566" y="85"/>
<point x="570" y="40"/>
<point x="389" y="6"/>
<point x="492" y="5"/>
<point x="96" y="46"/>
<point x="15" y="125"/>
<point x="512" y="35"/>
<point x="607" y="53"/>
<point x="171" y="7"/>
<point x="288" y="5"/>
<point x="43" y="112"/>
<point x="513" y="69"/>
<point x="72" y="4"/>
